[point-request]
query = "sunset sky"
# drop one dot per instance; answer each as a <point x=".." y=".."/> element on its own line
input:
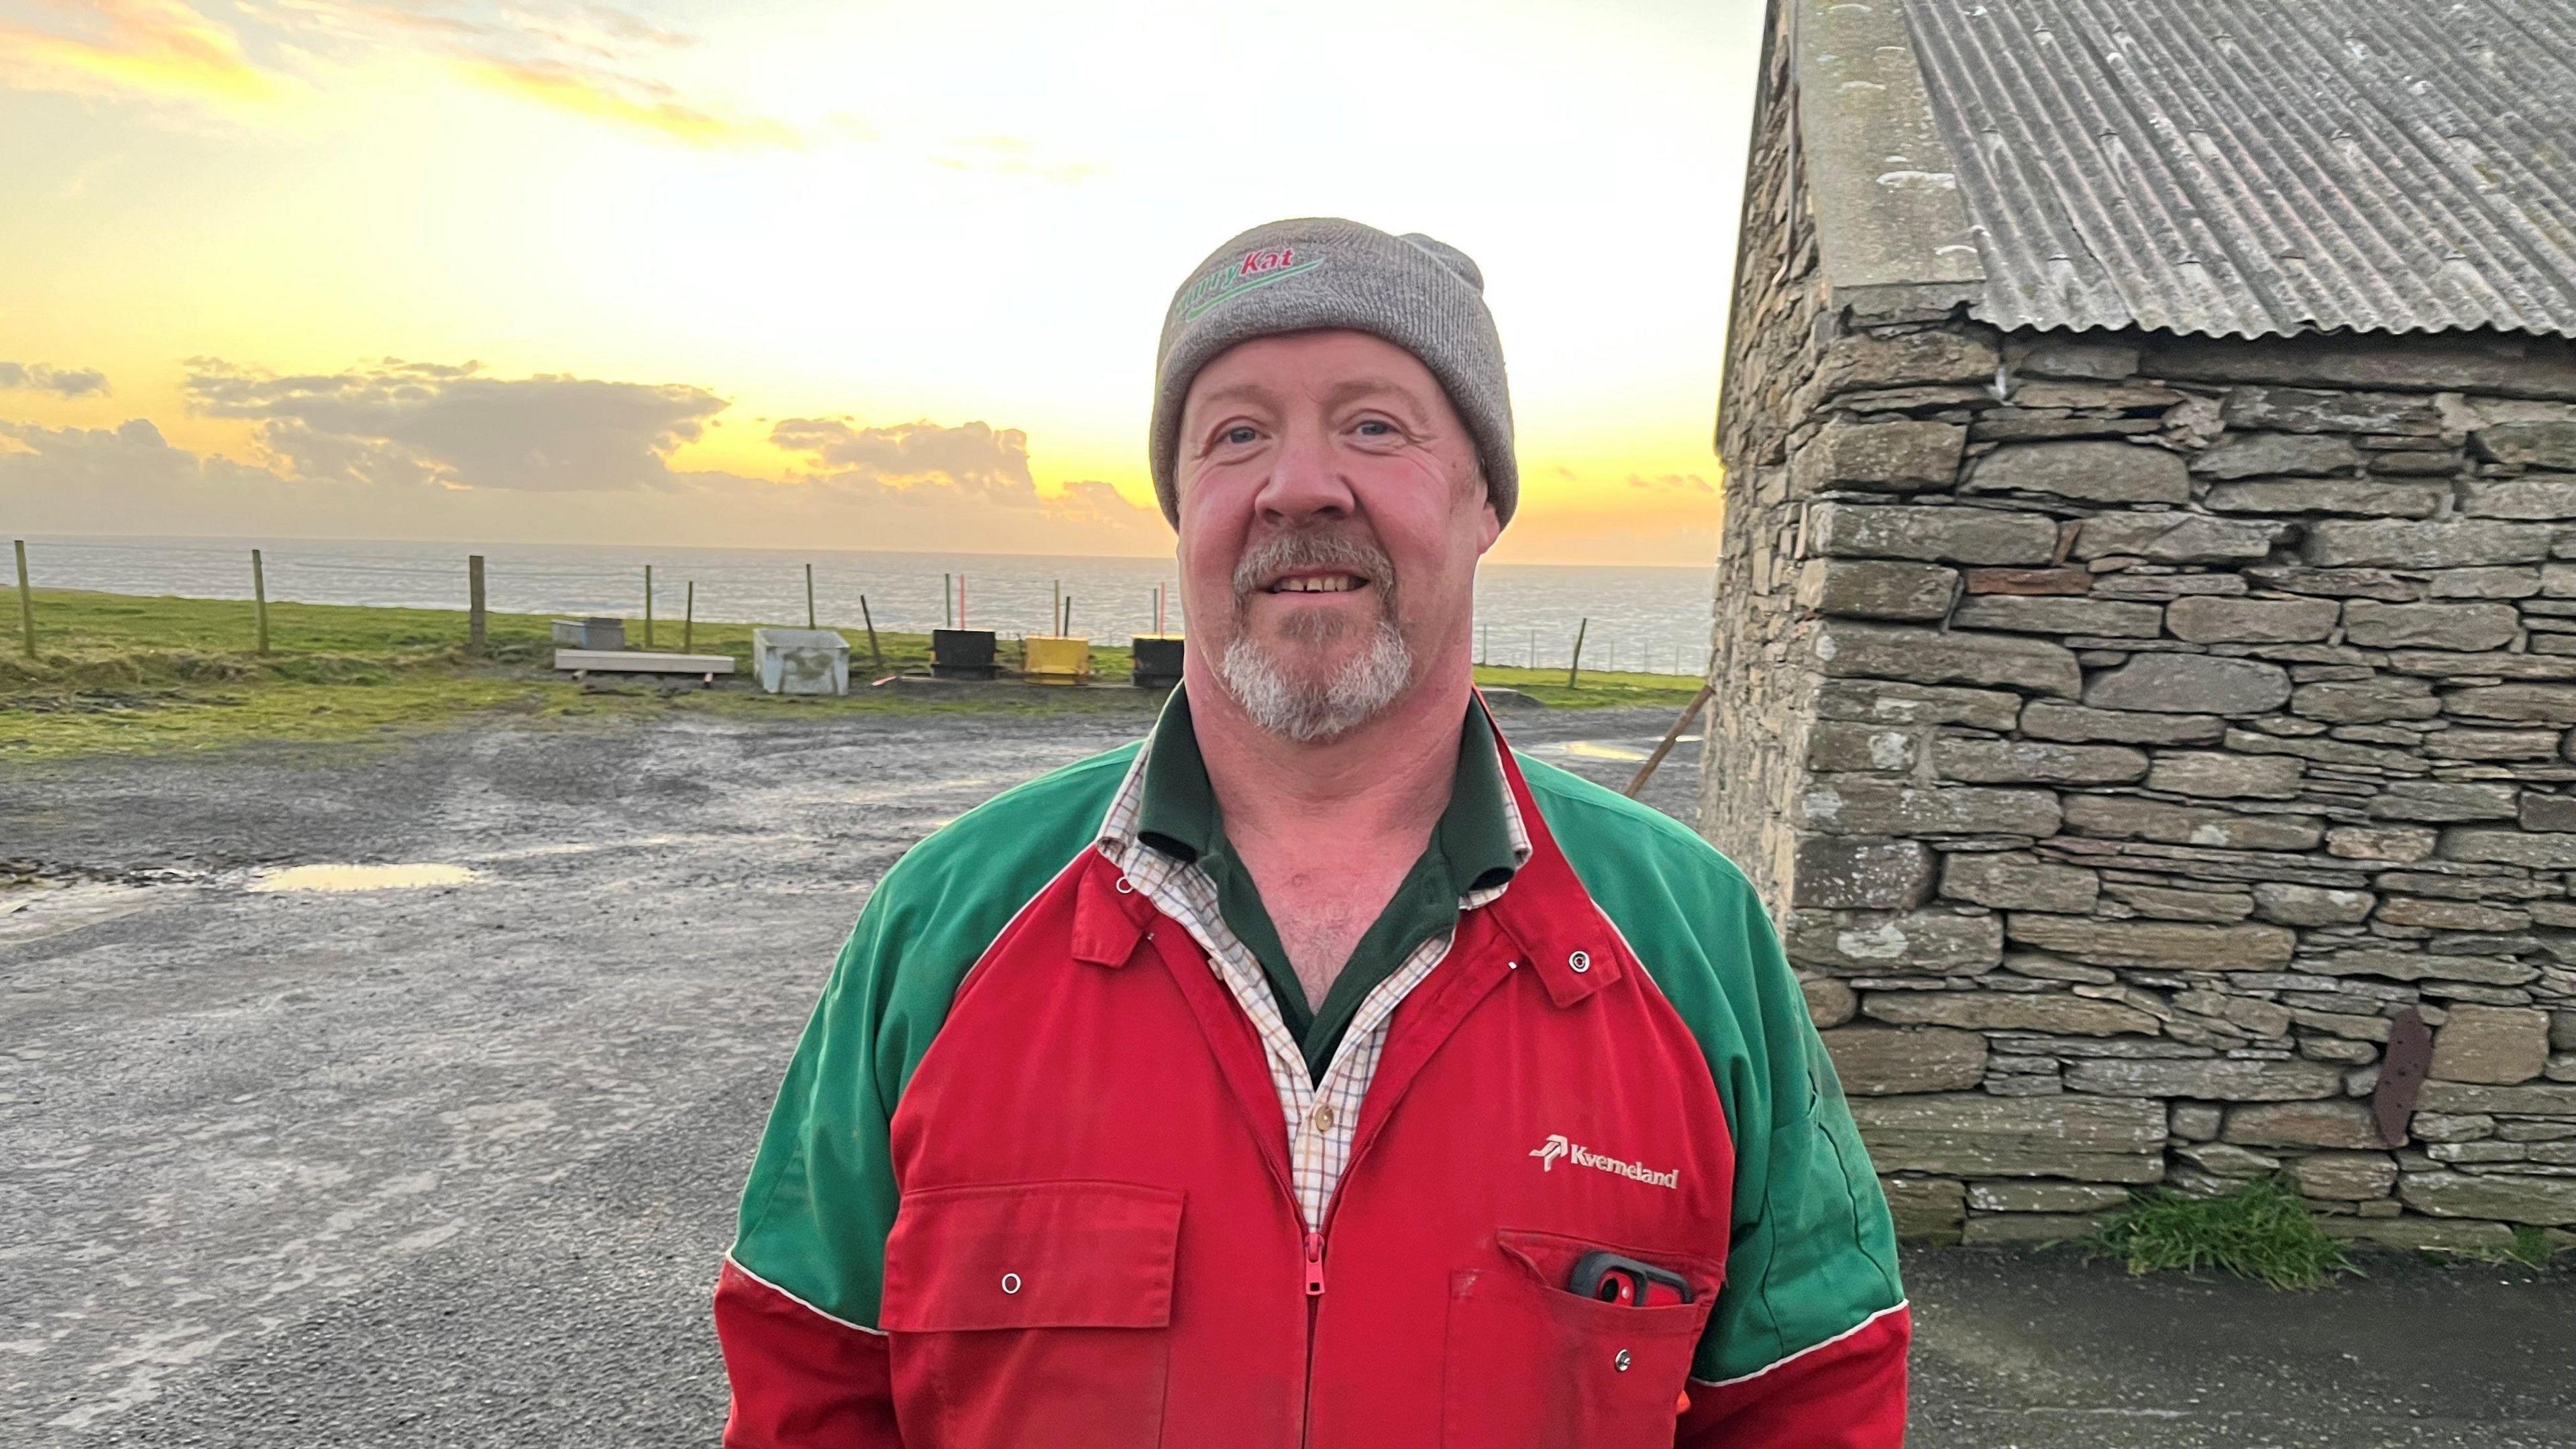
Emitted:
<point x="863" y="275"/>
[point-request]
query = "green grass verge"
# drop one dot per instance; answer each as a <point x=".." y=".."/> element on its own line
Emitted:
<point x="1593" y="690"/>
<point x="2262" y="1230"/>
<point x="116" y="674"/>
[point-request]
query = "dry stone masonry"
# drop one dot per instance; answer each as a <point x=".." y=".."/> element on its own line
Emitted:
<point x="2134" y="732"/>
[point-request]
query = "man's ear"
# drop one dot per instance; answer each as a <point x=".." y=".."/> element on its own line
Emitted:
<point x="1490" y="526"/>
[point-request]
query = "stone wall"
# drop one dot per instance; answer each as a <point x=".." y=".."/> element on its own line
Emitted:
<point x="2132" y="733"/>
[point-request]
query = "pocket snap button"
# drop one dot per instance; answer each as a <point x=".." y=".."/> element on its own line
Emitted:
<point x="1581" y="961"/>
<point x="1011" y="1284"/>
<point x="1621" y="1362"/>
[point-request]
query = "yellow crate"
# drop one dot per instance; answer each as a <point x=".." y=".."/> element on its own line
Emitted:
<point x="1054" y="659"/>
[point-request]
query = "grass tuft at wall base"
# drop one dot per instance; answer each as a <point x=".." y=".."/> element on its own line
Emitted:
<point x="2262" y="1230"/>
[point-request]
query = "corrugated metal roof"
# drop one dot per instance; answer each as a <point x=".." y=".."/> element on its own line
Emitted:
<point x="2258" y="167"/>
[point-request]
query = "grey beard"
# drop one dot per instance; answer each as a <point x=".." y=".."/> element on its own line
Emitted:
<point x="1308" y="713"/>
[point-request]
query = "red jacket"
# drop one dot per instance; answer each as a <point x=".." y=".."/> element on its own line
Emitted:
<point x="1028" y="1184"/>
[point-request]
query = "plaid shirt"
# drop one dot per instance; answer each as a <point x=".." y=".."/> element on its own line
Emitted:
<point x="1321" y="1115"/>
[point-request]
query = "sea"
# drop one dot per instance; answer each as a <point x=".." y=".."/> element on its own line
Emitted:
<point x="1652" y="619"/>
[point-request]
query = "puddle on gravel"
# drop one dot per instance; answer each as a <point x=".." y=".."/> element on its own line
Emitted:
<point x="1607" y="750"/>
<point x="363" y="877"/>
<point x="1598" y="750"/>
<point x="31" y="913"/>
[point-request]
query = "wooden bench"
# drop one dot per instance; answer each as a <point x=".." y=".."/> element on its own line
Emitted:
<point x="585" y="662"/>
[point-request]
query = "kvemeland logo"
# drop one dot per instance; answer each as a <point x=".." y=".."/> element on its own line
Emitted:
<point x="1556" y="1147"/>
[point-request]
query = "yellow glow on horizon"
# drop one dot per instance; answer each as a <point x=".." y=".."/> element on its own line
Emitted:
<point x="964" y="213"/>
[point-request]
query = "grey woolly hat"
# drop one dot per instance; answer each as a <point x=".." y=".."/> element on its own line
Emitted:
<point x="1320" y="271"/>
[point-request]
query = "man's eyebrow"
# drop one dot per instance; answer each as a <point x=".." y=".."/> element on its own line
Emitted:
<point x="1351" y="389"/>
<point x="1251" y="392"/>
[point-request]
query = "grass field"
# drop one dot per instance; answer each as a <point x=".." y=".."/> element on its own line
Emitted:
<point x="116" y="673"/>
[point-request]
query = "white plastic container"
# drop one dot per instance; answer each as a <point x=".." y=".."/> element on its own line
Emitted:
<point x="801" y="661"/>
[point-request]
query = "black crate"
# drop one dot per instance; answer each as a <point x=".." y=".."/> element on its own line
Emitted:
<point x="961" y="653"/>
<point x="1158" y="660"/>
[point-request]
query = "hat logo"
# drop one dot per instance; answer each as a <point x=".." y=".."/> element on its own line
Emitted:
<point x="1254" y="269"/>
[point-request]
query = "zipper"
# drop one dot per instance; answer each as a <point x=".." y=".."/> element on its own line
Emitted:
<point x="1314" y="1306"/>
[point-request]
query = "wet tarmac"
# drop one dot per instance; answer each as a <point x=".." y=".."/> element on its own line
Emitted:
<point x="449" y="1159"/>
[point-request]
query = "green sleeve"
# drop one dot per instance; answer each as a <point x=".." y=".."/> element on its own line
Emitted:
<point x="822" y="1193"/>
<point x="821" y="1198"/>
<point x="1812" y="1253"/>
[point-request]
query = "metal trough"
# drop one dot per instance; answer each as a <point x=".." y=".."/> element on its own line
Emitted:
<point x="582" y="663"/>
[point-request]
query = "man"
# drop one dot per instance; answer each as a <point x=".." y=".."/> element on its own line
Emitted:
<point x="1317" y="1072"/>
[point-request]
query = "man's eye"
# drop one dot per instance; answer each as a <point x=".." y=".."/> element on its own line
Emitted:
<point x="1377" y="428"/>
<point x="1238" y="436"/>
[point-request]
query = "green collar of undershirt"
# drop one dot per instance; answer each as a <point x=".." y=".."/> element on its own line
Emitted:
<point x="1470" y="848"/>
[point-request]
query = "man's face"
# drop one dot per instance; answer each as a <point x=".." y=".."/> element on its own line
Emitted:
<point x="1331" y="515"/>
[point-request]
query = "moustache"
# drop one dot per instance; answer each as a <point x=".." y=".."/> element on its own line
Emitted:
<point x="1354" y="554"/>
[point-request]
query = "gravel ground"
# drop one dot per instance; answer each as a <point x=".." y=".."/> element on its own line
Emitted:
<point x="454" y="1165"/>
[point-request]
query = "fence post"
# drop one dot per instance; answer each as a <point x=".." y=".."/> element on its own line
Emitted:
<point x="689" y="620"/>
<point x="1575" y="667"/>
<point x="26" y="604"/>
<point x="648" y="606"/>
<point x="809" y="596"/>
<point x="259" y="598"/>
<point x="871" y="621"/>
<point x="475" y="635"/>
<point x="947" y="604"/>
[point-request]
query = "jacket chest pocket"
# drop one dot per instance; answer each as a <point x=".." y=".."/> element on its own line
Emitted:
<point x="1530" y="1365"/>
<point x="1032" y="1313"/>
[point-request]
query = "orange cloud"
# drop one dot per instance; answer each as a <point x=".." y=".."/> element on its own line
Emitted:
<point x="152" y="47"/>
<point x="575" y="93"/>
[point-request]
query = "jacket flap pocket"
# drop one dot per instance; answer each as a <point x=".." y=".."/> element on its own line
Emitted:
<point x="1549" y="1259"/>
<point x="1032" y="1255"/>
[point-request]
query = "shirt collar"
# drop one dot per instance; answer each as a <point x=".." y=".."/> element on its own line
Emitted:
<point x="1171" y="807"/>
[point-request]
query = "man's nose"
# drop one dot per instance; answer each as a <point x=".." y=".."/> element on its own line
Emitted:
<point x="1306" y="483"/>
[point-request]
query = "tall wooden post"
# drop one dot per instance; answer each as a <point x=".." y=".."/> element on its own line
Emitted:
<point x="1055" y="620"/>
<point x="475" y="636"/>
<point x="1574" y="669"/>
<point x="947" y="603"/>
<point x="259" y="598"/>
<point x="648" y="606"/>
<point x="871" y="621"/>
<point x="26" y="604"/>
<point x="809" y="596"/>
<point x="689" y="621"/>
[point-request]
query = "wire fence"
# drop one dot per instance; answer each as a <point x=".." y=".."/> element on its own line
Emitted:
<point x="1648" y="621"/>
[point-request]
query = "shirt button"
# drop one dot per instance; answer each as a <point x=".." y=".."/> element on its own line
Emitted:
<point x="1322" y="1119"/>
